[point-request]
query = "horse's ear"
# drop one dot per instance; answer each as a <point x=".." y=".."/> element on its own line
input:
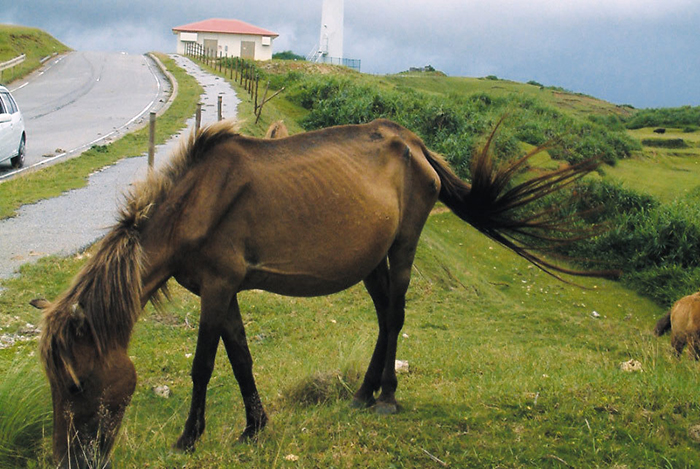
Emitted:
<point x="40" y="303"/>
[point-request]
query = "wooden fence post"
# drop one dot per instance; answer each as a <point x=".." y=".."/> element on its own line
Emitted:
<point x="151" y="140"/>
<point x="198" y="118"/>
<point x="257" y="85"/>
<point x="219" y="110"/>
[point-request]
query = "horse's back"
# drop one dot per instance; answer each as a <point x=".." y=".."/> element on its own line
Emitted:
<point x="685" y="315"/>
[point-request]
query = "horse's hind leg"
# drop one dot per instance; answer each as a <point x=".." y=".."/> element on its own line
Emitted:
<point x="387" y="286"/>
<point x="377" y="284"/>
<point x="694" y="344"/>
<point x="400" y="264"/>
<point x="233" y="333"/>
<point x="678" y="342"/>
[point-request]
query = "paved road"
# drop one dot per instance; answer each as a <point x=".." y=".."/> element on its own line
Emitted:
<point x="66" y="224"/>
<point x="85" y="98"/>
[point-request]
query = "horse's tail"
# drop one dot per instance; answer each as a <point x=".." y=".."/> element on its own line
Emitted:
<point x="491" y="206"/>
<point x="663" y="325"/>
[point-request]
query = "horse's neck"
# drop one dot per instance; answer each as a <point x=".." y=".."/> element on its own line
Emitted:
<point x="155" y="270"/>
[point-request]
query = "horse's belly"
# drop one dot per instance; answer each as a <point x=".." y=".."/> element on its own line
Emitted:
<point x="319" y="262"/>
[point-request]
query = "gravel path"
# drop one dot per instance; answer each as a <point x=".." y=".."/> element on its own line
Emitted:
<point x="66" y="224"/>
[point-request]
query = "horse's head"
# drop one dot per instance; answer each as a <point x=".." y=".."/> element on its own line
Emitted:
<point x="91" y="385"/>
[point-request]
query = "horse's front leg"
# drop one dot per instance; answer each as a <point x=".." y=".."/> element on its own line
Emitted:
<point x="203" y="364"/>
<point x="202" y="368"/>
<point x="233" y="334"/>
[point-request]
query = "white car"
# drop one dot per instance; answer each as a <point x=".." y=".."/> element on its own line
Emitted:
<point x="13" y="138"/>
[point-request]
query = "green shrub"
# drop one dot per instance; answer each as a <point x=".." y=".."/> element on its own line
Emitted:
<point x="669" y="117"/>
<point x="287" y="55"/>
<point x="656" y="246"/>
<point x="445" y="123"/>
<point x="664" y="142"/>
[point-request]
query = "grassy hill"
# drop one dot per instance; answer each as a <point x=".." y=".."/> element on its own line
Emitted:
<point x="34" y="43"/>
<point x="508" y="366"/>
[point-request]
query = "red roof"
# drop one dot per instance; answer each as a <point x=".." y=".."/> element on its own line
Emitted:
<point x="216" y="25"/>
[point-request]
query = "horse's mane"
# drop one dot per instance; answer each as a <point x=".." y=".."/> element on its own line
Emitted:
<point x="105" y="297"/>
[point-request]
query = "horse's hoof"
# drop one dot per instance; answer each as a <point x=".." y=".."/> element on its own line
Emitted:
<point x="250" y="434"/>
<point x="386" y="408"/>
<point x="361" y="404"/>
<point x="183" y="444"/>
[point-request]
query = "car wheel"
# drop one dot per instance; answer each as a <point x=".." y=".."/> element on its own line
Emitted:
<point x="18" y="160"/>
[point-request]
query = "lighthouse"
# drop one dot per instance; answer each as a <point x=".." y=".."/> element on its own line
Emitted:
<point x="330" y="44"/>
<point x="331" y="40"/>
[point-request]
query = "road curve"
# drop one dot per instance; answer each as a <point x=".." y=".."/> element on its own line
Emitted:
<point x="64" y="225"/>
<point x="85" y="98"/>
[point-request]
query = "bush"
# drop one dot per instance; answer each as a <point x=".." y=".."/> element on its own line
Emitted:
<point x="287" y="55"/>
<point x="664" y="142"/>
<point x="447" y="122"/>
<point x="680" y="117"/>
<point x="656" y="246"/>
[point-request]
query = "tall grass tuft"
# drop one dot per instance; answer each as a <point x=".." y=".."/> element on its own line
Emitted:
<point x="25" y="413"/>
<point x="322" y="387"/>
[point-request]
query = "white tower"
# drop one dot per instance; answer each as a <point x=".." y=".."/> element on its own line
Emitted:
<point x="331" y="42"/>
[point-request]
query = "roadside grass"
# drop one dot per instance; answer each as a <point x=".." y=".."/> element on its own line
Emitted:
<point x="32" y="42"/>
<point x="30" y="187"/>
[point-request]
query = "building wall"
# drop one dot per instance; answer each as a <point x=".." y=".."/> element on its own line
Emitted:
<point x="228" y="45"/>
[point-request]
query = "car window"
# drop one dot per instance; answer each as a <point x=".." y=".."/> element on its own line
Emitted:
<point x="13" y="103"/>
<point x="2" y="107"/>
<point x="9" y="105"/>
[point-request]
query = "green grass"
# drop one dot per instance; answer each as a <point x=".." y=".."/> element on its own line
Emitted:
<point x="49" y="182"/>
<point x="576" y="103"/>
<point x="664" y="173"/>
<point x="25" y="414"/>
<point x="508" y="369"/>
<point x="34" y="43"/>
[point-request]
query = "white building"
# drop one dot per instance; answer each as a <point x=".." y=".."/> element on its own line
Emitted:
<point x="227" y="38"/>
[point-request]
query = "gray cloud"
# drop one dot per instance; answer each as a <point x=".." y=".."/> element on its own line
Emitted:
<point x="640" y="52"/>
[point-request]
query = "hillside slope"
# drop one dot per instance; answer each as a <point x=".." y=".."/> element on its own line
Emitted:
<point x="508" y="367"/>
<point x="34" y="43"/>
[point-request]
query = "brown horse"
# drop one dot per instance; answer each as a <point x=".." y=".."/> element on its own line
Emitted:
<point x="277" y="130"/>
<point x="311" y="214"/>
<point x="683" y="320"/>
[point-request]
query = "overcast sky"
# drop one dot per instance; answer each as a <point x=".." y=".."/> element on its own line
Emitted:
<point x="640" y="52"/>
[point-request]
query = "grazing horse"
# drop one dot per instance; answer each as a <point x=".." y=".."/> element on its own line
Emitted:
<point x="311" y="214"/>
<point x="683" y="320"/>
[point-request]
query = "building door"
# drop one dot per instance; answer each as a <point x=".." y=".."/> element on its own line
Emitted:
<point x="248" y="50"/>
<point x="211" y="46"/>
